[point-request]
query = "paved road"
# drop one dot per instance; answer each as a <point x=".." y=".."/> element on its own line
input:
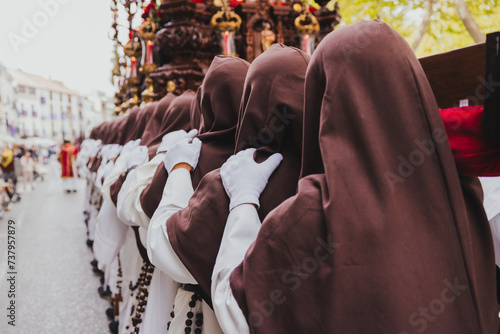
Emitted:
<point x="56" y="290"/>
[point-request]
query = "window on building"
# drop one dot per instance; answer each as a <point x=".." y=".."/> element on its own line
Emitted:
<point x="21" y="89"/>
<point x="31" y="90"/>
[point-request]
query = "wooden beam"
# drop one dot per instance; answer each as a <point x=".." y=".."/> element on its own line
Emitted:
<point x="457" y="75"/>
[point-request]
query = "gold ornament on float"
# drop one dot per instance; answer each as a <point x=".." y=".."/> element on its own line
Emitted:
<point x="226" y="19"/>
<point x="307" y="23"/>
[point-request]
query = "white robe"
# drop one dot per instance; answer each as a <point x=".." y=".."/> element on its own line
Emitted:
<point x="491" y="189"/>
<point x="162" y="290"/>
<point x="110" y="234"/>
<point x="243" y="225"/>
<point x="131" y="262"/>
<point x="176" y="194"/>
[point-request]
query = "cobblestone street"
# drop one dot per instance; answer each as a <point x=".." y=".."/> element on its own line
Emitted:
<point x="56" y="290"/>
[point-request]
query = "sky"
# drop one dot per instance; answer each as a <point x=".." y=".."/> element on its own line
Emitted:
<point x="66" y="40"/>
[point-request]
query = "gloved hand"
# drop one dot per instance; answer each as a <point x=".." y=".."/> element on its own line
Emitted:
<point x="173" y="137"/>
<point x="244" y="179"/>
<point x="94" y="148"/>
<point x="185" y="150"/>
<point x="130" y="146"/>
<point x="113" y="151"/>
<point x="108" y="168"/>
<point x="138" y="157"/>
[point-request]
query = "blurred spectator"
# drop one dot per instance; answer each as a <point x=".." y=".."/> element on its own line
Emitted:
<point x="28" y="169"/>
<point x="7" y="165"/>
<point x="66" y="158"/>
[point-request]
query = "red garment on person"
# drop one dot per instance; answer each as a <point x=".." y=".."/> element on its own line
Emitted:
<point x="65" y="158"/>
<point x="474" y="156"/>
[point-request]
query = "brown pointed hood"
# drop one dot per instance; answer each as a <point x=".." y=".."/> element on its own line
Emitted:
<point x="271" y="121"/>
<point x="379" y="229"/>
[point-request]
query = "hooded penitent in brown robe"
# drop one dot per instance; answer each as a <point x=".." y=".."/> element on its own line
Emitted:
<point x="117" y="132"/>
<point x="218" y="100"/>
<point x="146" y="127"/>
<point x="109" y="135"/>
<point x="383" y="236"/>
<point x="271" y="121"/>
<point x="142" y="120"/>
<point x="176" y="117"/>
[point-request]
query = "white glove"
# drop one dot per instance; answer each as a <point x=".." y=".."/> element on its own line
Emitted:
<point x="244" y="179"/>
<point x="94" y="148"/>
<point x="130" y="146"/>
<point x="113" y="151"/>
<point x="185" y="150"/>
<point x="138" y="157"/>
<point x="173" y="137"/>
<point x="108" y="168"/>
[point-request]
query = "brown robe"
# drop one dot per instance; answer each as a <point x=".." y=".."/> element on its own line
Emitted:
<point x="382" y="236"/>
<point x="271" y="121"/>
<point x="176" y="117"/>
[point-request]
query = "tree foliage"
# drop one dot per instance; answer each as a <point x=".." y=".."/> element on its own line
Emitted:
<point x="445" y="29"/>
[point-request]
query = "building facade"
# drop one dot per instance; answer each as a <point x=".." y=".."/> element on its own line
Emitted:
<point x="33" y="106"/>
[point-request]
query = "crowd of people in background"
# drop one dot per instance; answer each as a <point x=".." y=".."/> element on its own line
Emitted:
<point x="25" y="164"/>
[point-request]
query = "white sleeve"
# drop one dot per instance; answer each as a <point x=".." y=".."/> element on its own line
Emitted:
<point x="243" y="225"/>
<point x="120" y="167"/>
<point x="120" y="200"/>
<point x="491" y="190"/>
<point x="143" y="176"/>
<point x="110" y="234"/>
<point x="176" y="194"/>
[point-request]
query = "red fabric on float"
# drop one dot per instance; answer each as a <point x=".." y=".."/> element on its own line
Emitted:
<point x="377" y="230"/>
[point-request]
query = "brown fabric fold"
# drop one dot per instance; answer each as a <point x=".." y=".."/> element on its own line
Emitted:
<point x="143" y="118"/>
<point x="154" y="117"/>
<point x="115" y="188"/>
<point x="126" y="134"/>
<point x="382" y="236"/>
<point x="119" y="131"/>
<point x="176" y="118"/>
<point x="154" y="122"/>
<point x="218" y="100"/>
<point x="271" y="121"/>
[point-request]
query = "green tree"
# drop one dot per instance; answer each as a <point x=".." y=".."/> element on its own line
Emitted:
<point x="430" y="26"/>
